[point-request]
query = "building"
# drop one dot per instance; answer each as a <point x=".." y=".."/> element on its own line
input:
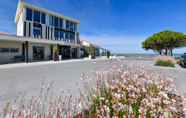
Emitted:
<point x="41" y="35"/>
<point x="88" y="48"/>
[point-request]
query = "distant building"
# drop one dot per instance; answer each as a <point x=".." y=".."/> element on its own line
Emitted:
<point x="41" y="35"/>
<point x="88" y="48"/>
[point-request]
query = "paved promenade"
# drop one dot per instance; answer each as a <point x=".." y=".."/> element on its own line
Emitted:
<point x="27" y="78"/>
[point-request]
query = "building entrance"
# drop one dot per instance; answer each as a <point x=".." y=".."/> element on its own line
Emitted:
<point x="65" y="52"/>
<point x="38" y="53"/>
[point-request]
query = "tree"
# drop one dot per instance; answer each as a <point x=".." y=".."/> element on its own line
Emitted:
<point x="165" y="42"/>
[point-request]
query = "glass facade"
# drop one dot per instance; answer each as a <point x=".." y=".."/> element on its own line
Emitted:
<point x="72" y="36"/>
<point x="71" y="26"/>
<point x="37" y="30"/>
<point x="67" y="35"/>
<point x="67" y="25"/>
<point x="61" y="23"/>
<point x="37" y="16"/>
<point x="43" y="18"/>
<point x="56" y="35"/>
<point x="28" y="14"/>
<point x="56" y="28"/>
<point x="61" y="35"/>
<point x="56" y="22"/>
<point x="51" y="20"/>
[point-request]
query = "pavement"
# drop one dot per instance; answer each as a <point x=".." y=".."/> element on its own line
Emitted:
<point x="15" y="65"/>
<point x="22" y="78"/>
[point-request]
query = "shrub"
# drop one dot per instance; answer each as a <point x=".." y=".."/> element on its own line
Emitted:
<point x="165" y="61"/>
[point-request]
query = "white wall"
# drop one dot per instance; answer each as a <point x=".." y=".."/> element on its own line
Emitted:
<point x="20" y="25"/>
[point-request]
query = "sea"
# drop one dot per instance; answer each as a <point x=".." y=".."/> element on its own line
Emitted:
<point x="140" y="55"/>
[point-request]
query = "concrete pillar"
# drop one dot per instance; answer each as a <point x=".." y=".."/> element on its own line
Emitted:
<point x="43" y="31"/>
<point x="55" y="52"/>
<point x="31" y="29"/>
<point x="70" y="52"/>
<point x="78" y="52"/>
<point x="26" y="52"/>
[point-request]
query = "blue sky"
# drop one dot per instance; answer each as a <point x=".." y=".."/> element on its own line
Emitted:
<point x="119" y="25"/>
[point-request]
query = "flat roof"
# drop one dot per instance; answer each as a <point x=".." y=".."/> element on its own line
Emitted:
<point x="22" y="4"/>
<point x="34" y="40"/>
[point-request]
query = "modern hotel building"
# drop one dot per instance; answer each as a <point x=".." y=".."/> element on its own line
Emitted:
<point x="41" y="35"/>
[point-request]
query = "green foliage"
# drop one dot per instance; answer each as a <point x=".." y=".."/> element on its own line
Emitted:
<point x="165" y="63"/>
<point x="165" y="41"/>
<point x="90" y="51"/>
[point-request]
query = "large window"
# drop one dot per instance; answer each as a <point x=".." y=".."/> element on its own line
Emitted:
<point x="38" y="52"/>
<point x="56" y="34"/>
<point x="61" y="35"/>
<point x="67" y="25"/>
<point x="43" y="18"/>
<point x="56" y="21"/>
<point x="51" y="20"/>
<point x="71" y="26"/>
<point x="67" y="35"/>
<point x="75" y="27"/>
<point x="37" y="30"/>
<point x="61" y="23"/>
<point x="9" y="50"/>
<point x="72" y="36"/>
<point x="28" y="14"/>
<point x="37" y="16"/>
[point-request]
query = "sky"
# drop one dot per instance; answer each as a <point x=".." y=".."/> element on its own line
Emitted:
<point x="118" y="25"/>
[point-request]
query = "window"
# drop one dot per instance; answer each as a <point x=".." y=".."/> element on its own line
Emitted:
<point x="43" y="18"/>
<point x="51" y="20"/>
<point x="56" y="21"/>
<point x="28" y="14"/>
<point x="37" y="30"/>
<point x="56" y="34"/>
<point x="4" y="50"/>
<point x="67" y="35"/>
<point x="9" y="50"/>
<point x="71" y="26"/>
<point x="37" y="16"/>
<point x="38" y="52"/>
<point x="67" y="25"/>
<point x="75" y="27"/>
<point x="61" y="23"/>
<point x="14" y="50"/>
<point x="72" y="36"/>
<point x="61" y="35"/>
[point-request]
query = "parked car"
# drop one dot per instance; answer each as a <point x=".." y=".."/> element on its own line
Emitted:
<point x="183" y="60"/>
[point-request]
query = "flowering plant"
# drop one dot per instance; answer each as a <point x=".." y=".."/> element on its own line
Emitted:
<point x="121" y="91"/>
<point x="135" y="93"/>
